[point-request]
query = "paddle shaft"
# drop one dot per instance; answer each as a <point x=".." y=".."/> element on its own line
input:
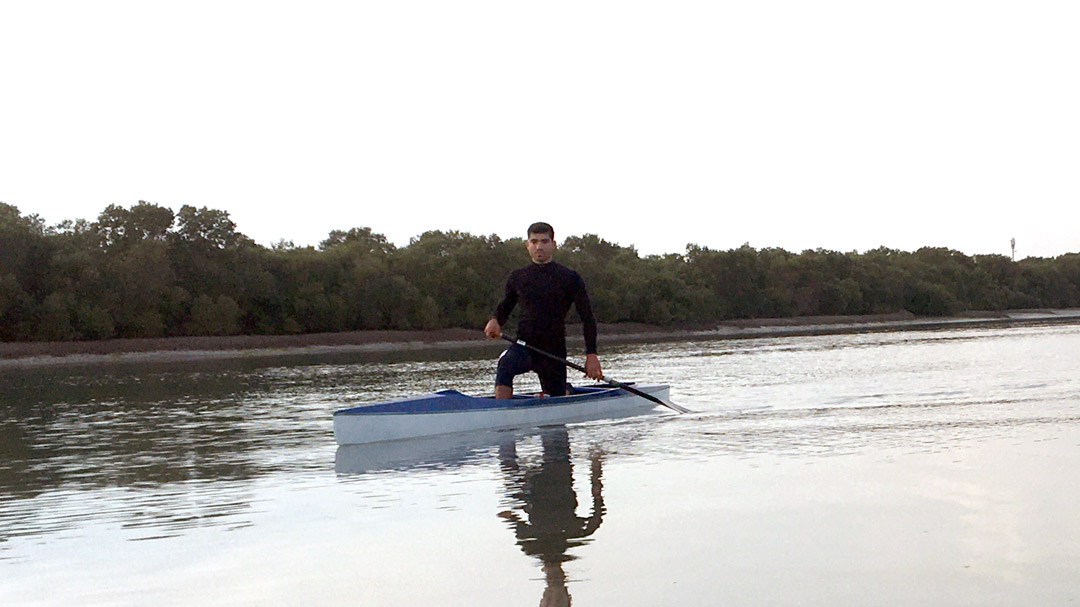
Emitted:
<point x="610" y="382"/>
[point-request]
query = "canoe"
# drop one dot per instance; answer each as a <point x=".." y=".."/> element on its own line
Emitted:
<point x="450" y="411"/>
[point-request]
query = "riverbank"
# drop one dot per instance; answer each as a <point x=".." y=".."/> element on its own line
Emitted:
<point x="177" y="349"/>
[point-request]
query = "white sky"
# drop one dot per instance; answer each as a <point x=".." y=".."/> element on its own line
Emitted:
<point x="794" y="124"/>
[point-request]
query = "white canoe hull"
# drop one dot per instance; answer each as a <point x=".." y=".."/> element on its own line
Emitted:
<point x="369" y="424"/>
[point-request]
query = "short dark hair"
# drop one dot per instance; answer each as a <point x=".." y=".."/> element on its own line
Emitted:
<point x="541" y="228"/>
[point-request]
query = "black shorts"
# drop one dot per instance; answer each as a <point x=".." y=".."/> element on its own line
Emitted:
<point x="517" y="360"/>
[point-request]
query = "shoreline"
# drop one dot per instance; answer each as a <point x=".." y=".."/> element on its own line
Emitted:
<point x="180" y="349"/>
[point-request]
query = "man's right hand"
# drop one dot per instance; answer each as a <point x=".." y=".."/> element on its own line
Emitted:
<point x="492" y="329"/>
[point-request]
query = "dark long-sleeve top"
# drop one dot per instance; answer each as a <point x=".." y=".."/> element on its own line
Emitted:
<point x="546" y="292"/>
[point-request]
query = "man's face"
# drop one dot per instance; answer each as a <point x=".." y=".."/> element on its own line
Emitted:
<point x="541" y="247"/>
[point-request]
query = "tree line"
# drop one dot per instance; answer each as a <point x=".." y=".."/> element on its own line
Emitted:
<point x="145" y="271"/>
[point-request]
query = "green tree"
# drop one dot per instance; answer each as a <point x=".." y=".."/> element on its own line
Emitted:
<point x="145" y="271"/>
<point x="210" y="257"/>
<point x="614" y="275"/>
<point x="461" y="273"/>
<point x="136" y="275"/>
<point x="361" y="241"/>
<point x="94" y="321"/>
<point x="736" y="279"/>
<point x="210" y="316"/>
<point x="144" y="221"/>
<point x="58" y="314"/>
<point x="24" y="254"/>
<point x="207" y="229"/>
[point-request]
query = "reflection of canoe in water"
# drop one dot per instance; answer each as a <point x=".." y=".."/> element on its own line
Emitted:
<point x="449" y="411"/>
<point x="439" y="452"/>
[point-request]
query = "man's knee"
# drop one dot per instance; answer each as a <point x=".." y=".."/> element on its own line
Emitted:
<point x="513" y="362"/>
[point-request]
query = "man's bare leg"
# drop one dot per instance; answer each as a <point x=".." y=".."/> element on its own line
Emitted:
<point x="504" y="391"/>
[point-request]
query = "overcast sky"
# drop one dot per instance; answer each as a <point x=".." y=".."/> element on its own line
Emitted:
<point x="793" y="124"/>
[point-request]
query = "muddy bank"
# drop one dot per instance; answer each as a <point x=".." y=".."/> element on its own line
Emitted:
<point x="196" y="348"/>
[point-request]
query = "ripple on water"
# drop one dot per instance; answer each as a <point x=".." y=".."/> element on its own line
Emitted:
<point x="157" y="455"/>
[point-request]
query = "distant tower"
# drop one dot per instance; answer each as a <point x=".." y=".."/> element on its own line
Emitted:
<point x="1014" y="249"/>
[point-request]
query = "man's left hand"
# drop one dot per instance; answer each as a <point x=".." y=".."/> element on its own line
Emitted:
<point x="592" y="367"/>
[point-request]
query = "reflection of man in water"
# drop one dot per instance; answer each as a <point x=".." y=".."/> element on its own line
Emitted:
<point x="546" y="496"/>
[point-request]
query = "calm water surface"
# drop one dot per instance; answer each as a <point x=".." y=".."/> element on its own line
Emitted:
<point x="919" y="468"/>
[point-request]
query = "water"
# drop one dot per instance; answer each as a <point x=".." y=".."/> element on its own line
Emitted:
<point x="890" y="469"/>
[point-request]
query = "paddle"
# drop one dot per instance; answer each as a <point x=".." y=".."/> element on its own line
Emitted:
<point x="610" y="382"/>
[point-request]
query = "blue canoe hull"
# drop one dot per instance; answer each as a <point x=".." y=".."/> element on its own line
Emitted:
<point x="450" y="411"/>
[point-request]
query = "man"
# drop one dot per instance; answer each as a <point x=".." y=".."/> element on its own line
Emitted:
<point x="545" y="290"/>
